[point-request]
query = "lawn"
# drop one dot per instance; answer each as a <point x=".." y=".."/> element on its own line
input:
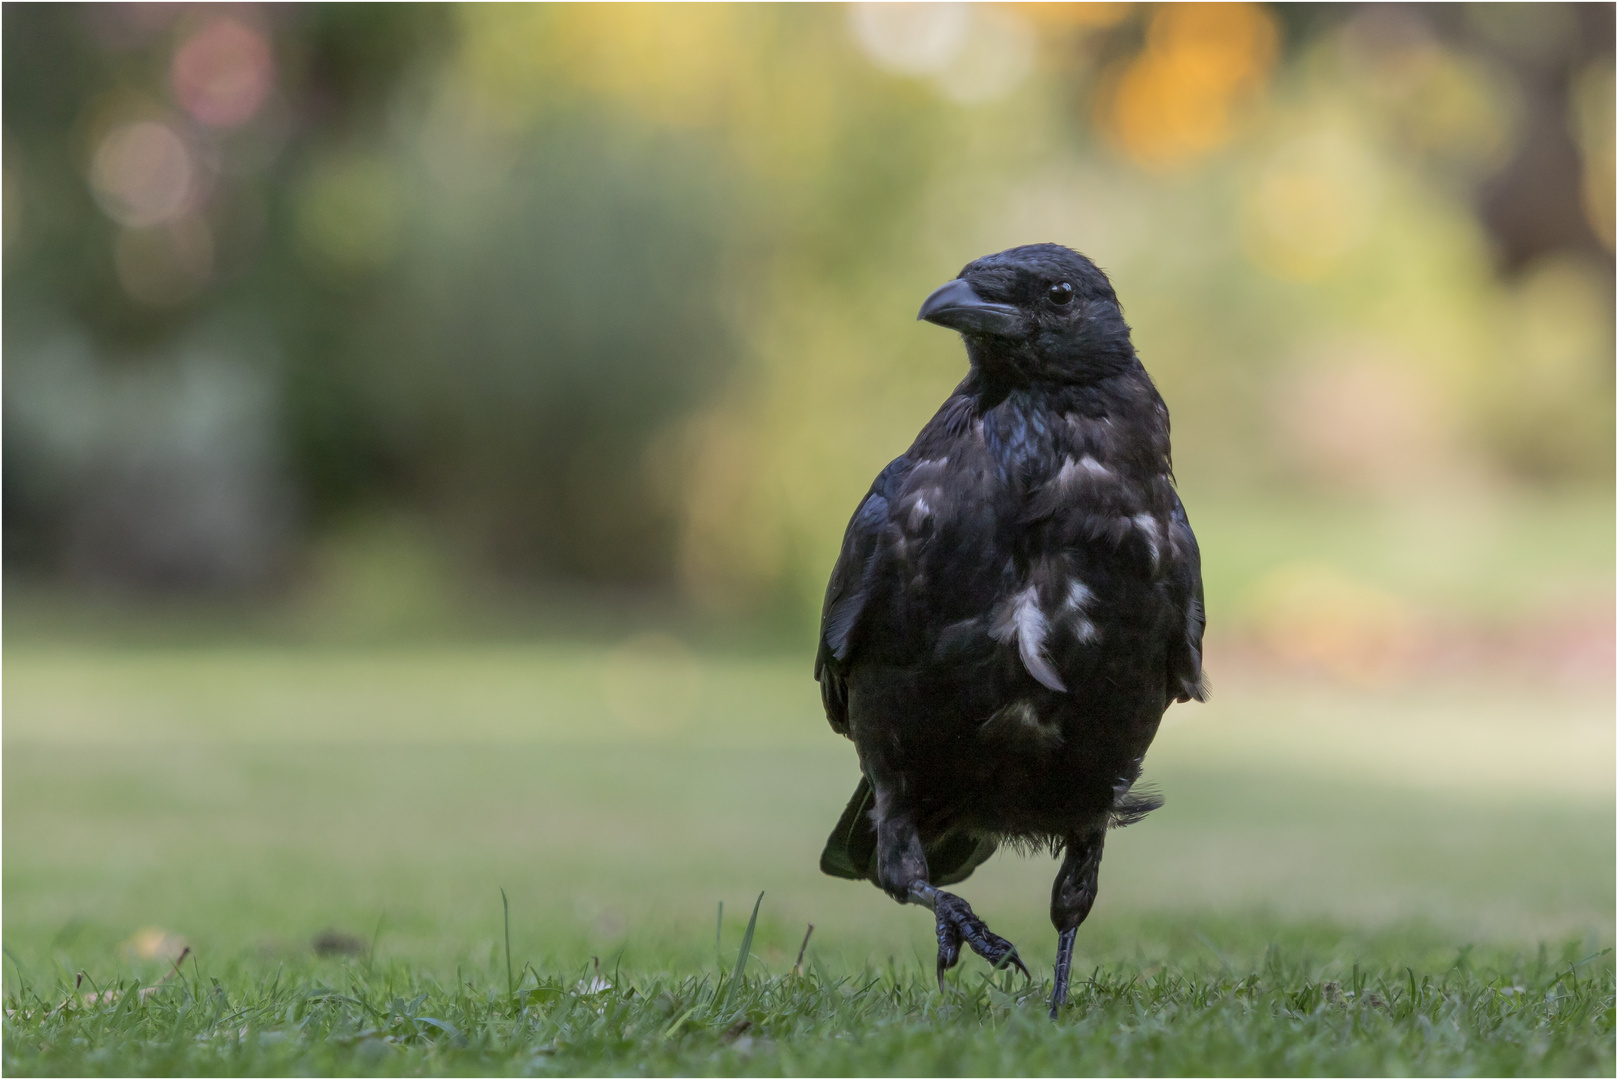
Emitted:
<point x="1413" y="878"/>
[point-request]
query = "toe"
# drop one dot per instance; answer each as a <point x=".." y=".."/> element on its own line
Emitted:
<point x="964" y="925"/>
<point x="949" y="946"/>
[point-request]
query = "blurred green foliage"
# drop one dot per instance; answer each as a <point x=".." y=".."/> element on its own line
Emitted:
<point x="621" y="294"/>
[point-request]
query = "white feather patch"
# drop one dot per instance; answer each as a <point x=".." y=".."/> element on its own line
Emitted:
<point x="1087" y="467"/>
<point x="1078" y="598"/>
<point x="920" y="511"/>
<point x="1147" y="525"/>
<point x="1024" y="621"/>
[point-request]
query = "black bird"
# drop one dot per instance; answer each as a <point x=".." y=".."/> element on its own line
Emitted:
<point x="1017" y="601"/>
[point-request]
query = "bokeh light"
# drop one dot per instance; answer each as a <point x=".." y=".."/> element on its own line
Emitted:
<point x="143" y="174"/>
<point x="223" y="73"/>
<point x="973" y="53"/>
<point x="1315" y="200"/>
<point x="1176" y="101"/>
<point x="911" y="39"/>
<point x="1365" y="253"/>
<point x="997" y="57"/>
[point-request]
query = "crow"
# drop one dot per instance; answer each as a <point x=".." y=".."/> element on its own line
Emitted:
<point x="1017" y="601"/>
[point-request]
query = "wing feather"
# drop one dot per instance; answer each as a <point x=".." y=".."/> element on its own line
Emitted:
<point x="848" y="590"/>
<point x="1186" y="681"/>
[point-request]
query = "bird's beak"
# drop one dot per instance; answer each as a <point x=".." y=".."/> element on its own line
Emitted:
<point x="958" y="306"/>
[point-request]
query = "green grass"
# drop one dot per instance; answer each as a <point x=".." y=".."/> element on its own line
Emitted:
<point x="1413" y="879"/>
<point x="1473" y="1016"/>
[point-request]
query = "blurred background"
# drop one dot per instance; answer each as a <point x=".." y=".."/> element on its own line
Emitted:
<point x="566" y="338"/>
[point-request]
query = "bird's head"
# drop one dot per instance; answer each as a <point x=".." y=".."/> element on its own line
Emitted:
<point x="1041" y="311"/>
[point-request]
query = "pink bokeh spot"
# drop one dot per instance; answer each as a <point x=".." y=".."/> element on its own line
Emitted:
<point x="223" y="73"/>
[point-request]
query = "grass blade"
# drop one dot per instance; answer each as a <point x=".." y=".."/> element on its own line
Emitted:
<point x="22" y="980"/>
<point x="674" y="1028"/>
<point x="370" y="954"/>
<point x="505" y="907"/>
<point x="741" y="957"/>
<point x="797" y="969"/>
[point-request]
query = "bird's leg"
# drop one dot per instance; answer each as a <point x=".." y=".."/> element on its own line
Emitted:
<point x="901" y="866"/>
<point x="1071" y="899"/>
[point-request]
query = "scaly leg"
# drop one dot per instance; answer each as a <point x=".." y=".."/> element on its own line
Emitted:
<point x="1071" y="899"/>
<point x="901" y="866"/>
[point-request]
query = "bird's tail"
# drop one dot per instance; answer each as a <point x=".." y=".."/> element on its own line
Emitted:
<point x="851" y="849"/>
<point x="1132" y="804"/>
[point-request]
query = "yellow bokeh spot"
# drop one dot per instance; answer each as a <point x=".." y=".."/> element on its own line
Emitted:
<point x="1310" y="208"/>
<point x="672" y="64"/>
<point x="1174" y="102"/>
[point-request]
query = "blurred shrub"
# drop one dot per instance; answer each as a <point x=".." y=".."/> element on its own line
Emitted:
<point x="165" y="473"/>
<point x="623" y="293"/>
<point x="554" y="307"/>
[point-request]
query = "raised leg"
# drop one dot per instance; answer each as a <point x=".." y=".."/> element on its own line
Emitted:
<point x="1071" y="899"/>
<point x="901" y="865"/>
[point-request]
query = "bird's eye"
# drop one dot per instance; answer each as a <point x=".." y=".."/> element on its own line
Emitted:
<point x="1061" y="293"/>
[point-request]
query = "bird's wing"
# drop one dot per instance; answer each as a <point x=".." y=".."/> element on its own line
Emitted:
<point x="1186" y="682"/>
<point x="849" y="589"/>
<point x="850" y="851"/>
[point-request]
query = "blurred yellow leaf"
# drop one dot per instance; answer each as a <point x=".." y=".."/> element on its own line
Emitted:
<point x="1174" y="102"/>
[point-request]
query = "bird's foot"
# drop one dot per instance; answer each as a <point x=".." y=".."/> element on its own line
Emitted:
<point x="957" y="924"/>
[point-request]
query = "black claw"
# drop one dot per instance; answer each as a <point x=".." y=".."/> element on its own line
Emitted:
<point x="949" y="948"/>
<point x="957" y="923"/>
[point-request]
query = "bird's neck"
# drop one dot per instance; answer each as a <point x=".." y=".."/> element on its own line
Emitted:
<point x="1000" y="367"/>
<point x="1119" y="421"/>
<point x="1125" y="394"/>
